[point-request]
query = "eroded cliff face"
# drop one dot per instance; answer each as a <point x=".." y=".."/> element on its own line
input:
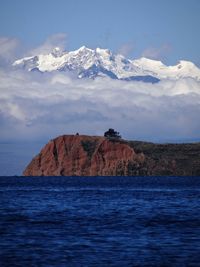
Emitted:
<point x="81" y="155"/>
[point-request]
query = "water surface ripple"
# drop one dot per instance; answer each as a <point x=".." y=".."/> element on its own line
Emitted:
<point x="107" y="221"/>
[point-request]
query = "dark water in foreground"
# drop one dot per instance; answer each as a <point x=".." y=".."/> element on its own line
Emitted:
<point x="99" y="221"/>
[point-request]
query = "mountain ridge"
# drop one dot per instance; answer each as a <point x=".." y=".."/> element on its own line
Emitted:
<point x="92" y="63"/>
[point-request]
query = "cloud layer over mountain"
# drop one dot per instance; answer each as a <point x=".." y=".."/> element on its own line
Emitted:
<point x="39" y="106"/>
<point x="35" y="106"/>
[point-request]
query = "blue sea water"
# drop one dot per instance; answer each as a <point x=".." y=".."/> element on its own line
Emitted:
<point x="99" y="221"/>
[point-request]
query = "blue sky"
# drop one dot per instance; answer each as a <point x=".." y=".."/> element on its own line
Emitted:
<point x="167" y="30"/>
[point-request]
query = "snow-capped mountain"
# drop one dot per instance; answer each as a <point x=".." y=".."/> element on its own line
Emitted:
<point x="86" y="62"/>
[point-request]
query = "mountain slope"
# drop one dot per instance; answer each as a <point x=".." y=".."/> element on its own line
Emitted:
<point x="86" y="62"/>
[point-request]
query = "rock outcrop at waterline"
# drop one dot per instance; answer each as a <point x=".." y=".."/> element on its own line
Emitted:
<point x="80" y="155"/>
<point x="84" y="156"/>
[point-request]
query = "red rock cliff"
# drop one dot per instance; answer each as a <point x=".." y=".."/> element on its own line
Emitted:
<point x="85" y="156"/>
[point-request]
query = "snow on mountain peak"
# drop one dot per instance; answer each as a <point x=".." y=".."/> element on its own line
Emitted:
<point x="102" y="51"/>
<point x="148" y="62"/>
<point x="82" y="49"/>
<point x="90" y="63"/>
<point x="57" y="52"/>
<point x="57" y="49"/>
<point x="185" y="64"/>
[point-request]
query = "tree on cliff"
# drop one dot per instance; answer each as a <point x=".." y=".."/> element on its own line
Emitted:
<point x="111" y="133"/>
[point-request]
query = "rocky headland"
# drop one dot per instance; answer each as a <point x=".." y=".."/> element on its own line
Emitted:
<point x="81" y="155"/>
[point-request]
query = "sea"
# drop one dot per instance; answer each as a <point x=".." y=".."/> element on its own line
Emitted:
<point x="99" y="221"/>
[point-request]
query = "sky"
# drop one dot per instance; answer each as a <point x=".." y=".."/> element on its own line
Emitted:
<point x="166" y="30"/>
<point x="35" y="107"/>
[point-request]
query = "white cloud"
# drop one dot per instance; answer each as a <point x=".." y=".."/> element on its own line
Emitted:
<point x="42" y="106"/>
<point x="126" y="49"/>
<point x="56" y="40"/>
<point x="8" y="48"/>
<point x="157" y="53"/>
